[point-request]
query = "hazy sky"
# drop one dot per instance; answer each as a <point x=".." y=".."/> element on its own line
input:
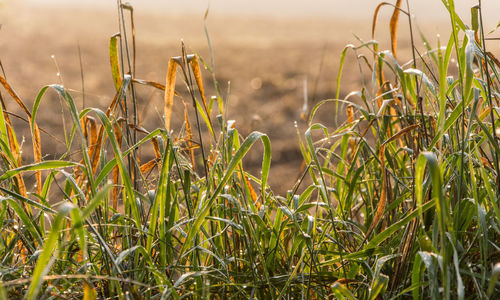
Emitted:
<point x="288" y="8"/>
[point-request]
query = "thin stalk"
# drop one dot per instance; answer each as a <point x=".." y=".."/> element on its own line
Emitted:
<point x="488" y="84"/>
<point x="189" y="81"/>
<point x="81" y="76"/>
<point x="419" y="98"/>
<point x="455" y="39"/>
<point x="131" y="71"/>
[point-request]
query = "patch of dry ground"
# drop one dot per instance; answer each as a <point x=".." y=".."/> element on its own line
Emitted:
<point x="266" y="60"/>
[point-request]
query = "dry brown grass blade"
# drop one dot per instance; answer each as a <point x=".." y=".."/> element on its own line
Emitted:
<point x="380" y="73"/>
<point x="350" y="114"/>
<point x="379" y="96"/>
<point x="486" y="162"/>
<point x="83" y="124"/>
<point x="23" y="251"/>
<point x="137" y="128"/>
<point x="148" y="166"/>
<point x="97" y="146"/>
<point x="382" y="203"/>
<point x="22" y="186"/>
<point x="410" y="101"/>
<point x="40" y="128"/>
<point x="383" y="194"/>
<point x="36" y="139"/>
<point x="16" y="152"/>
<point x="401" y="262"/>
<point x="94" y="140"/>
<point x="253" y="194"/>
<point x="14" y="147"/>
<point x="377" y="10"/>
<point x="37" y="155"/>
<point x="93" y="132"/>
<point x="97" y="143"/>
<point x="375" y="17"/>
<point x="401" y="133"/>
<point x="113" y="105"/>
<point x="394" y="27"/>
<point x="386" y="90"/>
<point x="493" y="58"/>
<point x="169" y="91"/>
<point x="149" y="83"/>
<point x="195" y="66"/>
<point x="156" y="148"/>
<point x="14" y="96"/>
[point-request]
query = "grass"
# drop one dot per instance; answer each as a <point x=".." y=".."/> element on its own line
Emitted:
<point x="404" y="200"/>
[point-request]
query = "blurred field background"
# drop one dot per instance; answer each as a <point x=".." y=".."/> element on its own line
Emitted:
<point x="266" y="49"/>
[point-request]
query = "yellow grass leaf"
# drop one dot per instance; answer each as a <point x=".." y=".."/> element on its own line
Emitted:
<point x="113" y="59"/>
<point x="195" y="66"/>
<point x="169" y="91"/>
<point x="89" y="293"/>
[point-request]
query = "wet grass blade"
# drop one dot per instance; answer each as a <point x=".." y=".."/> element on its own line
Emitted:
<point x="202" y="213"/>
<point x="114" y="61"/>
<point x="46" y="258"/>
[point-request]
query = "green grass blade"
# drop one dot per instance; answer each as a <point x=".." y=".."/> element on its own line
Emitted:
<point x="202" y="213"/>
<point x="44" y="165"/>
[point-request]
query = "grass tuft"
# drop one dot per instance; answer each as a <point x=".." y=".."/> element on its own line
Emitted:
<point x="403" y="200"/>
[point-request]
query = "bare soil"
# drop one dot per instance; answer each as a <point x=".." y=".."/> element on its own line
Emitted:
<point x="266" y="60"/>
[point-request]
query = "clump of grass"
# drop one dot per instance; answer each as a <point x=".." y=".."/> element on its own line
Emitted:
<point x="403" y="200"/>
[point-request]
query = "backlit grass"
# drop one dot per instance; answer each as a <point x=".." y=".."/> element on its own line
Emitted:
<point x="404" y="200"/>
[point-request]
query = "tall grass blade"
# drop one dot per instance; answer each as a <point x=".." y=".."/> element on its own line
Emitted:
<point x="203" y="211"/>
<point x="393" y="25"/>
<point x="46" y="258"/>
<point x="169" y="91"/>
<point x="114" y="61"/>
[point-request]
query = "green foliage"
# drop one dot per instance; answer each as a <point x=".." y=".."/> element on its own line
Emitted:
<point x="404" y="199"/>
